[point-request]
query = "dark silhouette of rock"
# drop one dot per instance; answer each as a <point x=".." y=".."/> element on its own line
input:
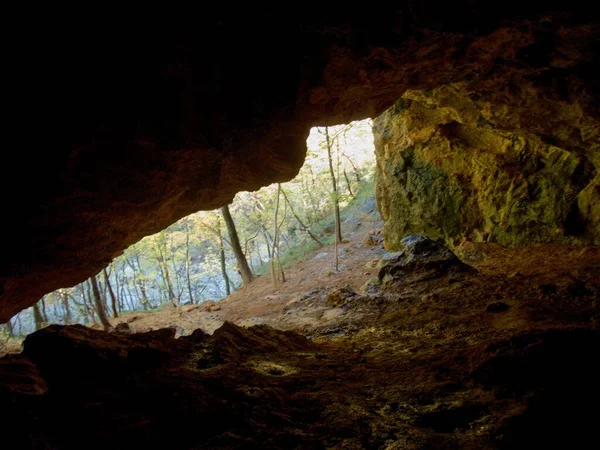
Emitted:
<point x="421" y="259"/>
<point x="497" y="307"/>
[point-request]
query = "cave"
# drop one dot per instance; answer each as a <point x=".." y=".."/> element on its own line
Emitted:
<point x="482" y="327"/>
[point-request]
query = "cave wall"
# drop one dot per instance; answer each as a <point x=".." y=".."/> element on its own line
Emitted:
<point x="514" y="165"/>
<point x="160" y="124"/>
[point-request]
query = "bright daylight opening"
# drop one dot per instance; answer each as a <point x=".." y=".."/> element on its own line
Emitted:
<point x="197" y="259"/>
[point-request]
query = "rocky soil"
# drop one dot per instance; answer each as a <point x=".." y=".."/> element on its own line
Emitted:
<point x="408" y="350"/>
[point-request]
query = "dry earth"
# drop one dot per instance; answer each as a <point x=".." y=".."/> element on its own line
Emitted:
<point x="443" y="356"/>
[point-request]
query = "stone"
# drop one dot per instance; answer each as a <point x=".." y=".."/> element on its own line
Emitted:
<point x="387" y="257"/>
<point x="196" y="336"/>
<point x="66" y="353"/>
<point x="372" y="286"/>
<point x="372" y="264"/>
<point x="211" y="306"/>
<point x="341" y="296"/>
<point x="423" y="258"/>
<point x="19" y="376"/>
<point x="179" y="331"/>
<point x="122" y="328"/>
<point x="497" y="307"/>
<point x="462" y="165"/>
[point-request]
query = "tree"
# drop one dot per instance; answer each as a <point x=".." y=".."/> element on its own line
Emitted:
<point x="99" y="304"/>
<point x="37" y="317"/>
<point x="64" y="298"/>
<point x="43" y="310"/>
<point x="275" y="263"/>
<point x="113" y="299"/>
<point x="336" y="202"/>
<point x="302" y="226"/>
<point x="187" y="260"/>
<point x="234" y="240"/>
<point x="160" y="242"/>
<point x="223" y="264"/>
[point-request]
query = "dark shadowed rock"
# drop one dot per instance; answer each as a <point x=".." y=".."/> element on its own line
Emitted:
<point x="232" y="341"/>
<point x="65" y="354"/>
<point x="123" y="328"/>
<point x="497" y="307"/>
<point x="197" y="336"/>
<point x="372" y="286"/>
<point x="19" y="376"/>
<point x="423" y="258"/>
<point x="555" y="371"/>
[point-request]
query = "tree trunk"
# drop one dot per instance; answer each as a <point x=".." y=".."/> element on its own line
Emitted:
<point x="275" y="266"/>
<point x="44" y="314"/>
<point x="84" y="310"/>
<point x="187" y="261"/>
<point x="176" y="274"/>
<point x="133" y="301"/>
<point x="160" y="245"/>
<point x="37" y="317"/>
<point x="223" y="266"/>
<point x="119" y="290"/>
<point x="99" y="304"/>
<point x="18" y="322"/>
<point x="336" y="203"/>
<point x="64" y="298"/>
<point x="139" y="282"/>
<point x="9" y="329"/>
<point x="348" y="184"/>
<point x="304" y="227"/>
<point x="356" y="174"/>
<point x="245" y="271"/>
<point x="113" y="299"/>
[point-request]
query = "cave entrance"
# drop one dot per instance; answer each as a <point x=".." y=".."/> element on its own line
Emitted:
<point x="193" y="261"/>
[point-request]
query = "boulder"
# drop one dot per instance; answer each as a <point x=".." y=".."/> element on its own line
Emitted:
<point x="423" y="258"/>
<point x="341" y="296"/>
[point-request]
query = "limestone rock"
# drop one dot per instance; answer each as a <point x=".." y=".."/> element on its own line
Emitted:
<point x="372" y="286"/>
<point x="421" y="259"/>
<point x="341" y="296"/>
<point x="387" y="257"/>
<point x="466" y="162"/>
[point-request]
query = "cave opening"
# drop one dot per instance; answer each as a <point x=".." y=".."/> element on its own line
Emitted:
<point x="194" y="261"/>
<point x="459" y="309"/>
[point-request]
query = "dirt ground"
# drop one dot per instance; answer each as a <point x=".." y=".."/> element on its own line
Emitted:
<point x="299" y="304"/>
<point x="289" y="306"/>
<point x="444" y="356"/>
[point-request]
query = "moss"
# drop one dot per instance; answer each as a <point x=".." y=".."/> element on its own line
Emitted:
<point x="444" y="171"/>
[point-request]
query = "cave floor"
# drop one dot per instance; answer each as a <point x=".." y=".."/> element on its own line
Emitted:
<point x="502" y="358"/>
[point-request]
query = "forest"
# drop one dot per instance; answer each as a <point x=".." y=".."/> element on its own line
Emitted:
<point x="209" y="254"/>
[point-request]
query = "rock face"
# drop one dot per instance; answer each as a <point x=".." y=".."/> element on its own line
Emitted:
<point x="422" y="259"/>
<point x="164" y="124"/>
<point x="511" y="166"/>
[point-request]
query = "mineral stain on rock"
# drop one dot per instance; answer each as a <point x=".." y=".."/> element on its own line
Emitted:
<point x="463" y="165"/>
